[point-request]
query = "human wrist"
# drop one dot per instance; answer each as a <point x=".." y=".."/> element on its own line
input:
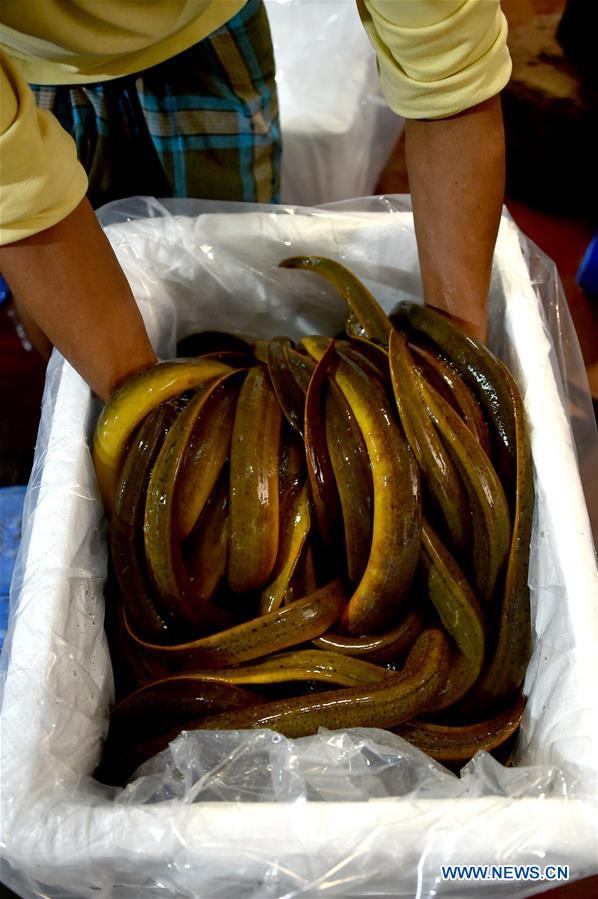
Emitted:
<point x="112" y="377"/>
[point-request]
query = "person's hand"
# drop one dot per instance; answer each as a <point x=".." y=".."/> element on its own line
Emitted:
<point x="476" y="330"/>
<point x="456" y="175"/>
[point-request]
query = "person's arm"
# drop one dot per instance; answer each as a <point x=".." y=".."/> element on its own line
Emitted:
<point x="62" y="271"/>
<point x="456" y="176"/>
<point x="442" y="65"/>
<point x="67" y="281"/>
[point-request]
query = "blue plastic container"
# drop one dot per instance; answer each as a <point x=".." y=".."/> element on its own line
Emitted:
<point x="587" y="274"/>
<point x="4" y="290"/>
<point x="11" y="518"/>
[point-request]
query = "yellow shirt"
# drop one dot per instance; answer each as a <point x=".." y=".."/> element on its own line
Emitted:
<point x="435" y="57"/>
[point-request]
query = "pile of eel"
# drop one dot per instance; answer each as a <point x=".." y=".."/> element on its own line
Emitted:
<point x="333" y="533"/>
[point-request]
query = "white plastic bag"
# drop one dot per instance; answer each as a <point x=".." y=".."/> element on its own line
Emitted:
<point x="337" y="130"/>
<point x="253" y="814"/>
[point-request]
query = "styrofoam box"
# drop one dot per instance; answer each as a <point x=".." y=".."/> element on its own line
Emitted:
<point x="64" y="835"/>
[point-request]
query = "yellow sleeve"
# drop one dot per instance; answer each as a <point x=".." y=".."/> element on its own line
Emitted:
<point x="41" y="180"/>
<point x="437" y="57"/>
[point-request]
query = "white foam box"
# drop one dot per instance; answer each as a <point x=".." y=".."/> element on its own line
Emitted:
<point x="63" y="833"/>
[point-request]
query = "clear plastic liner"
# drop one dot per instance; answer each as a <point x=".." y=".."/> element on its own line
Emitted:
<point x="355" y="813"/>
<point x="334" y="766"/>
<point x="330" y="106"/>
<point x="568" y="369"/>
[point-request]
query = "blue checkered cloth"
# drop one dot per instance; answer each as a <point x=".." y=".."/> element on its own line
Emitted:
<point x="201" y="124"/>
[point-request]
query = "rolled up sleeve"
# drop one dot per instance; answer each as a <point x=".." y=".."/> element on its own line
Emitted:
<point x="41" y="180"/>
<point x="437" y="57"/>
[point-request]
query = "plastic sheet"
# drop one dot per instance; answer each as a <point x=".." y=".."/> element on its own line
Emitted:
<point x="352" y="813"/>
<point x="329" y="105"/>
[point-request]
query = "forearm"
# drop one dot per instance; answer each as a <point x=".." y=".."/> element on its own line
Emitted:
<point x="456" y="178"/>
<point x="69" y="283"/>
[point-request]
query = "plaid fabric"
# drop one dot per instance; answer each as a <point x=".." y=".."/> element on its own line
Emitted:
<point x="202" y="124"/>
